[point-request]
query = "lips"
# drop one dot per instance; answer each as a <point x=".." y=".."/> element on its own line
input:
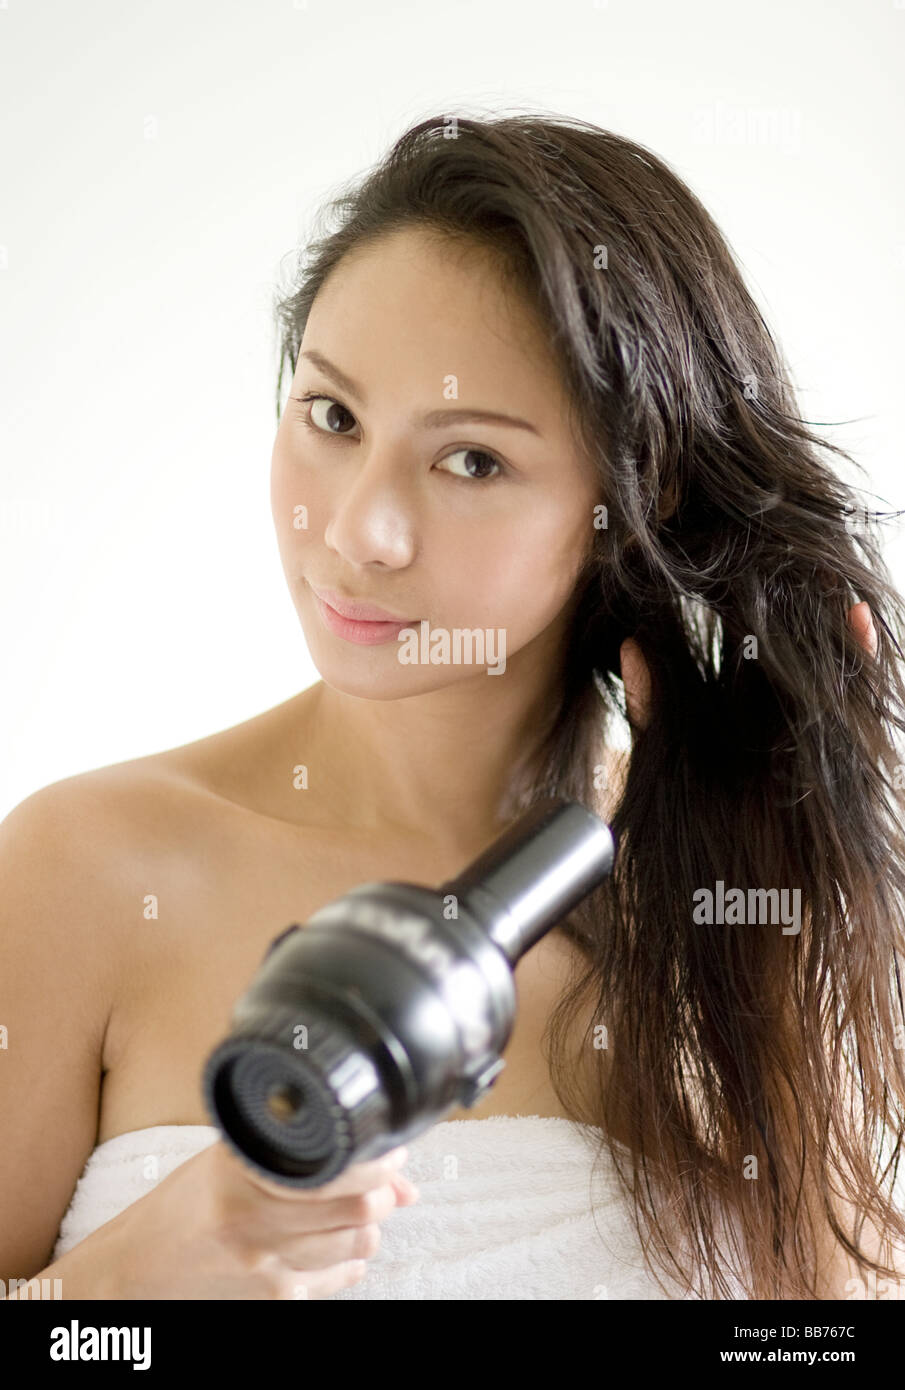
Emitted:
<point x="363" y="632"/>
<point x="355" y="611"/>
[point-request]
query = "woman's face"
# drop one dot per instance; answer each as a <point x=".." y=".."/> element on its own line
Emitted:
<point x="390" y="497"/>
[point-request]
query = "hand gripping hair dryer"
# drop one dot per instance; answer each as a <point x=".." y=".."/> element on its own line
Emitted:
<point x="392" y="1005"/>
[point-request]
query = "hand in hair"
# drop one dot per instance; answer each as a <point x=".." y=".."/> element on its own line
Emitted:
<point x="636" y="679"/>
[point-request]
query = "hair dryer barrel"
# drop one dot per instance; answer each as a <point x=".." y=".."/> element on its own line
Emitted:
<point x="533" y="875"/>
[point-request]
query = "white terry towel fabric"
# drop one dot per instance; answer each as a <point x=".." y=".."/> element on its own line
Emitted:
<point x="505" y="1211"/>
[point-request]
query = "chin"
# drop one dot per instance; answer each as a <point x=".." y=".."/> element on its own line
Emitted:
<point x="373" y="673"/>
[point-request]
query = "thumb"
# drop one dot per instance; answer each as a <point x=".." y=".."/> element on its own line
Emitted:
<point x="636" y="680"/>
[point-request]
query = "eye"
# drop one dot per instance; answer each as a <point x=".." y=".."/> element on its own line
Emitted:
<point x="479" y="454"/>
<point x="329" y="415"/>
<point x="334" y="411"/>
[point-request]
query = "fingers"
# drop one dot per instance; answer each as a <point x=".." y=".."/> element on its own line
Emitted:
<point x="862" y="624"/>
<point x="358" y="1177"/>
<point x="406" y="1192"/>
<point x="349" y="1225"/>
<point x="361" y="1177"/>
<point x="347" y="1229"/>
<point x="261" y="1211"/>
<point x="636" y="681"/>
<point x="636" y="677"/>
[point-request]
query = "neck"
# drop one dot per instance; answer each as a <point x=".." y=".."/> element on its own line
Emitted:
<point x="440" y="763"/>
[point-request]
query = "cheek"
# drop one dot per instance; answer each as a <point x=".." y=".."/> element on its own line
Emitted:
<point x="292" y="488"/>
<point x="280" y="484"/>
<point x="516" y="571"/>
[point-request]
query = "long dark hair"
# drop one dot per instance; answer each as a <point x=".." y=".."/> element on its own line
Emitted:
<point x="749" y="1069"/>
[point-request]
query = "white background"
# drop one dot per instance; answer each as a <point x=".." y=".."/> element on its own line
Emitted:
<point x="161" y="161"/>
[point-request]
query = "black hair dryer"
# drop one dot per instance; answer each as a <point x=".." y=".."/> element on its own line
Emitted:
<point x="393" y="1004"/>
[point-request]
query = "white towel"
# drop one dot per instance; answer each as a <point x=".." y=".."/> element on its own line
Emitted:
<point x="505" y="1211"/>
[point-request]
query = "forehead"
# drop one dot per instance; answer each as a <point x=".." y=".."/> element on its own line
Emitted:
<point x="420" y="303"/>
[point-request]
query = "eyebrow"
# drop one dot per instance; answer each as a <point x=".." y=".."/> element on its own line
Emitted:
<point x="433" y="419"/>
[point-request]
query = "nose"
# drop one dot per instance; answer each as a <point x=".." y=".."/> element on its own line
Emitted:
<point x="372" y="520"/>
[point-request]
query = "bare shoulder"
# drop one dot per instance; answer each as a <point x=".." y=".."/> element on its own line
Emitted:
<point x="83" y="818"/>
<point x="75" y="853"/>
<point x="75" y="821"/>
<point x="107" y="833"/>
<point x="136" y="792"/>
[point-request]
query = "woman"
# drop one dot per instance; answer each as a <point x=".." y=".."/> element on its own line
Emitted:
<point x="531" y="398"/>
